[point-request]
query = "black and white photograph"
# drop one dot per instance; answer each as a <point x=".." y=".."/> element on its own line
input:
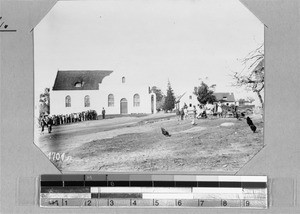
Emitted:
<point x="149" y="86"/>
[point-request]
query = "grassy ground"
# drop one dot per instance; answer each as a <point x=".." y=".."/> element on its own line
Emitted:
<point x="205" y="147"/>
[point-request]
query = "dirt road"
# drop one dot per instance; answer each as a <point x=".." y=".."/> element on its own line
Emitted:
<point x="137" y="145"/>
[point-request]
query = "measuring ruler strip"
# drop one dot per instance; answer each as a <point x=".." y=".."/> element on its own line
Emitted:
<point x="79" y="202"/>
<point x="154" y="184"/>
<point x="150" y="190"/>
<point x="141" y="189"/>
<point x="58" y="189"/>
<point x="153" y="190"/>
<point x="66" y="195"/>
<point x="167" y="189"/>
<point x="154" y="180"/>
<point x="154" y="195"/>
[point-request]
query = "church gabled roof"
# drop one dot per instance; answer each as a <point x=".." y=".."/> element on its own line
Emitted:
<point x="79" y="79"/>
<point x="229" y="97"/>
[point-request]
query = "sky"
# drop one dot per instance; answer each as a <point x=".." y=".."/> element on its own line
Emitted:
<point x="183" y="41"/>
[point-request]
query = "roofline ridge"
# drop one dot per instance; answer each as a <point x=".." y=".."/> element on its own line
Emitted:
<point x="93" y="77"/>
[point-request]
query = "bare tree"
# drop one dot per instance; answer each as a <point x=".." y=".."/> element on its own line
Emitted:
<point x="252" y="76"/>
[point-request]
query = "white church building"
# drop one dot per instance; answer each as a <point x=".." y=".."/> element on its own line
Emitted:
<point x="75" y="91"/>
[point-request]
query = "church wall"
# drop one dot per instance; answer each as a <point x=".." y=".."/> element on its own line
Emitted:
<point x="111" y="84"/>
<point x="126" y="92"/>
<point x="99" y="99"/>
<point x="57" y="101"/>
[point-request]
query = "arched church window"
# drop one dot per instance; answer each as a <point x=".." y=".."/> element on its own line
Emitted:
<point x="111" y="100"/>
<point x="87" y="101"/>
<point x="78" y="84"/>
<point x="136" y="100"/>
<point x="68" y="101"/>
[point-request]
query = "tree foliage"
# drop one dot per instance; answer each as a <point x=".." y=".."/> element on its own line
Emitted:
<point x="204" y="93"/>
<point x="252" y="76"/>
<point x="160" y="104"/>
<point x="160" y="98"/>
<point x="44" y="102"/>
<point x="158" y="92"/>
<point x="169" y="103"/>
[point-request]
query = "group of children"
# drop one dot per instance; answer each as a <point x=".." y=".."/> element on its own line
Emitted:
<point x="55" y="120"/>
<point x="202" y="111"/>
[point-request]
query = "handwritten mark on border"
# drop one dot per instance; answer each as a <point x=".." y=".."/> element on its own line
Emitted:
<point x="3" y="26"/>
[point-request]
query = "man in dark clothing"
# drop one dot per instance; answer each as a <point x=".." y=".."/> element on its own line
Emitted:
<point x="43" y="124"/>
<point x="181" y="113"/>
<point x="103" y="113"/>
<point x="178" y="113"/>
<point x="49" y="122"/>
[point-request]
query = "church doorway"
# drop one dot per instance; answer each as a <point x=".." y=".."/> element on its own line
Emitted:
<point x="123" y="106"/>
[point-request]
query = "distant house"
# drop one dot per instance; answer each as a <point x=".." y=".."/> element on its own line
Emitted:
<point x="243" y="102"/>
<point x="81" y="90"/>
<point x="225" y="98"/>
<point x="190" y="99"/>
<point x="177" y="101"/>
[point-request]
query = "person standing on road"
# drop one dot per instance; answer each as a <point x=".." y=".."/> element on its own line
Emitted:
<point x="49" y="122"/>
<point x="219" y="109"/>
<point x="181" y="113"/>
<point x="195" y="112"/>
<point x="204" y="115"/>
<point x="185" y="110"/>
<point x="103" y="113"/>
<point x="199" y="111"/>
<point x="178" y="113"/>
<point x="43" y="124"/>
